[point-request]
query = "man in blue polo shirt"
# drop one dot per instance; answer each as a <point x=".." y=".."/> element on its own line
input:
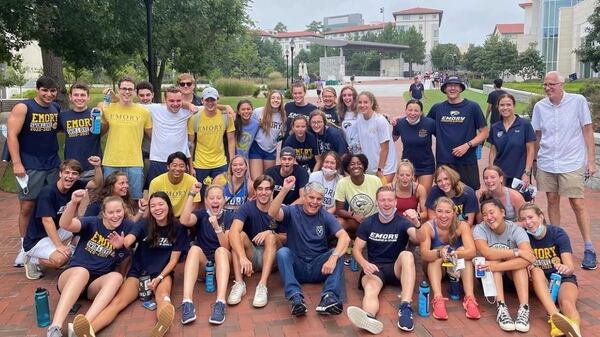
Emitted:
<point x="417" y="89"/>
<point x="460" y="128"/>
<point x="307" y="256"/>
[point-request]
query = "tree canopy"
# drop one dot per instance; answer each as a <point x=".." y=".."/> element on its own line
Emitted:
<point x="590" y="48"/>
<point x="280" y="27"/>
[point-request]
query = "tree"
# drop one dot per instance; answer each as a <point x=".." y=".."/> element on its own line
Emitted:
<point x="590" y="48"/>
<point x="531" y="64"/>
<point x="497" y="58"/>
<point x="315" y="26"/>
<point x="445" y="56"/>
<point x="469" y="59"/>
<point x="280" y="27"/>
<point x="416" y="47"/>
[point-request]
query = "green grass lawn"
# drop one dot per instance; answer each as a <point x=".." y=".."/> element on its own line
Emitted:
<point x="434" y="96"/>
<point x="536" y="87"/>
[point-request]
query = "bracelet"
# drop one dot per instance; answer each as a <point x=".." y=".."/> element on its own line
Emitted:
<point x="439" y="253"/>
<point x="160" y="277"/>
<point x="219" y="231"/>
<point x="192" y="194"/>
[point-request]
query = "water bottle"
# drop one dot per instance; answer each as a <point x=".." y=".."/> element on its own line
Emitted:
<point x="144" y="288"/>
<point x="96" y="115"/>
<point x="424" y="299"/>
<point x="107" y="99"/>
<point x="478" y="150"/>
<point x="42" y="309"/>
<point x="554" y="285"/>
<point x="454" y="288"/>
<point x="210" y="277"/>
<point x="353" y="264"/>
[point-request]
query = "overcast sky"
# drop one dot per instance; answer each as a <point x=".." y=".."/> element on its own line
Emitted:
<point x="463" y="21"/>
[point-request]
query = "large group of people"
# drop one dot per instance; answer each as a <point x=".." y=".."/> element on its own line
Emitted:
<point x="294" y="188"/>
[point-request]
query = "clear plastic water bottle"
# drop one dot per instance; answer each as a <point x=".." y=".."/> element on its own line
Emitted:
<point x="554" y="286"/>
<point x="42" y="308"/>
<point x="353" y="264"/>
<point x="424" y="291"/>
<point x="107" y="99"/>
<point x="96" y="115"/>
<point x="210" y="277"/>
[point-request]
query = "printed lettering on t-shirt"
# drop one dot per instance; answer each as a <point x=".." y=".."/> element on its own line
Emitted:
<point x="124" y="117"/>
<point x="499" y="245"/>
<point x="278" y="188"/>
<point x="176" y="194"/>
<point x="41" y="122"/>
<point x="98" y="245"/>
<point x="454" y="117"/>
<point x="546" y="257"/>
<point x="163" y="242"/>
<point x="79" y="127"/>
<point x="304" y="154"/>
<point x="211" y="129"/>
<point x="383" y="237"/>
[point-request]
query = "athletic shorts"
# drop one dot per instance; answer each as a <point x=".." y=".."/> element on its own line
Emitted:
<point x="256" y="152"/>
<point x="385" y="274"/>
<point x="568" y="184"/>
<point x="469" y="174"/>
<point x="83" y="295"/>
<point x="37" y="180"/>
<point x="45" y="247"/>
<point x="257" y="257"/>
<point x="566" y="279"/>
<point x="202" y="173"/>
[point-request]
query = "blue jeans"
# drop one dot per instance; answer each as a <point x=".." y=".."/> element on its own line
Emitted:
<point x="295" y="269"/>
<point x="135" y="177"/>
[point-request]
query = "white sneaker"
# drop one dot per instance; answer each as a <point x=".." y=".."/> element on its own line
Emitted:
<point x="503" y="317"/>
<point x="32" y="270"/>
<point x="70" y="330"/>
<point x="260" y="296"/>
<point x="237" y="291"/>
<point x="361" y="319"/>
<point x="522" y="320"/>
<point x="20" y="259"/>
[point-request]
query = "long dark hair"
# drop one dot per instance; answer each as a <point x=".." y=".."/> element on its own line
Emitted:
<point x="238" y="122"/>
<point x="107" y="190"/>
<point x="153" y="228"/>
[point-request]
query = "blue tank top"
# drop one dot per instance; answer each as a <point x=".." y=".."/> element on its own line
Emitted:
<point x="38" y="145"/>
<point x="234" y="201"/>
<point x="437" y="243"/>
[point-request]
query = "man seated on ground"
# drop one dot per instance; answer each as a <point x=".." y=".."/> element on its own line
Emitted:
<point x="45" y="243"/>
<point x="254" y="241"/>
<point x="286" y="168"/>
<point x="307" y="256"/>
<point x="176" y="182"/>
<point x="385" y="236"/>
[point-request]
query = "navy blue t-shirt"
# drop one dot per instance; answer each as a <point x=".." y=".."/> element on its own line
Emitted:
<point x="547" y="250"/>
<point x="305" y="151"/>
<point x="456" y="124"/>
<point x="50" y="203"/>
<point x="93" y="209"/>
<point x="307" y="235"/>
<point x="38" y="145"/>
<point x="206" y="238"/>
<point x="94" y="252"/>
<point x="417" y="143"/>
<point x="332" y="115"/>
<point x="493" y="99"/>
<point x="151" y="260"/>
<point x="301" y="180"/>
<point x="416" y="90"/>
<point x="80" y="143"/>
<point x="292" y="110"/>
<point x="255" y="220"/>
<point x="384" y="241"/>
<point x="465" y="203"/>
<point x="511" y="151"/>
<point x="332" y="140"/>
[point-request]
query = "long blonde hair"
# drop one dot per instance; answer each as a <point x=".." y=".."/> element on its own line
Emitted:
<point x="454" y="222"/>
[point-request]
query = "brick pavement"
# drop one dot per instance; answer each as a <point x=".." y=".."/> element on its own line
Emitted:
<point x="17" y="313"/>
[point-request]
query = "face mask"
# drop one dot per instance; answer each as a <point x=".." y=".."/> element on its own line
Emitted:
<point x="387" y="217"/>
<point x="218" y="215"/>
<point x="538" y="231"/>
<point x="415" y="122"/>
<point x="328" y="173"/>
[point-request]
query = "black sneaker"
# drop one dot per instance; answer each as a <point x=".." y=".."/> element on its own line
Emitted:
<point x="329" y="305"/>
<point x="298" y="305"/>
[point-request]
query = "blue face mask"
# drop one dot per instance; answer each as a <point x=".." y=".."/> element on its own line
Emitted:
<point x="538" y="231"/>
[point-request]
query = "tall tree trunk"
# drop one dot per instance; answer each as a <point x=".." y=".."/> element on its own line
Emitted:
<point x="53" y="67"/>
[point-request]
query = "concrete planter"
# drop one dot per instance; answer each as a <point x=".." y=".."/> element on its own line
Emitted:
<point x="594" y="182"/>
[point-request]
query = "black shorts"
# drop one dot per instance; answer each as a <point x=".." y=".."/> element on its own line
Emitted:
<point x="83" y="295"/>
<point x="385" y="274"/>
<point x="318" y="92"/>
<point x="469" y="174"/>
<point x="566" y="279"/>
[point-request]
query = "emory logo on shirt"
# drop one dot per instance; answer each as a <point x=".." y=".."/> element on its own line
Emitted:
<point x="423" y="133"/>
<point x="546" y="258"/>
<point x="453" y="118"/>
<point x="383" y="237"/>
<point x="320" y="231"/>
<point x="43" y="121"/>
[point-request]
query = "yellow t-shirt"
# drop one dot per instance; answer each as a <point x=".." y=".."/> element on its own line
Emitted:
<point x="361" y="199"/>
<point x="126" y="126"/>
<point x="177" y="193"/>
<point x="210" y="150"/>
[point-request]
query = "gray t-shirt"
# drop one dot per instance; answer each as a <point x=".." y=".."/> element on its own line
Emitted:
<point x="511" y="238"/>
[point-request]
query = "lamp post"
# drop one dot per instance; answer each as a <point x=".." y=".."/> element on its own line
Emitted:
<point x="287" y="69"/>
<point x="151" y="76"/>
<point x="292" y="46"/>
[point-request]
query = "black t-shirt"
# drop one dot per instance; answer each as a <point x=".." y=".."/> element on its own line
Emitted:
<point x="384" y="241"/>
<point x="493" y="99"/>
<point x="305" y="151"/>
<point x="416" y="90"/>
<point x="332" y="115"/>
<point x="255" y="220"/>
<point x="301" y="180"/>
<point x="80" y="143"/>
<point x="206" y="238"/>
<point x="292" y="110"/>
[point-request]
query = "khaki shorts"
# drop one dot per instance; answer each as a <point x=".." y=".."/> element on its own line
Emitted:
<point x="568" y="184"/>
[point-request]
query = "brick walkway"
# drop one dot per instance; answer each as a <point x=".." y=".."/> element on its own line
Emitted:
<point x="17" y="313"/>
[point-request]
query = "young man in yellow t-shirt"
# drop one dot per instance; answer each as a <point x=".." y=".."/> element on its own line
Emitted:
<point x="125" y="123"/>
<point x="206" y="137"/>
<point x="176" y="182"/>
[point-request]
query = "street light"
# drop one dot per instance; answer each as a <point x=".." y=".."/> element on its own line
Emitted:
<point x="151" y="76"/>
<point x="292" y="46"/>
<point x="287" y="68"/>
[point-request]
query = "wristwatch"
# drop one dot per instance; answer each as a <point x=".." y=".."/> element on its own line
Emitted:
<point x="379" y="169"/>
<point x="470" y="144"/>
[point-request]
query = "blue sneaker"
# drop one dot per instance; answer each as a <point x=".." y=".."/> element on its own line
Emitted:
<point x="329" y="305"/>
<point x="218" y="313"/>
<point x="188" y="313"/>
<point x="589" y="260"/>
<point x="405" y="317"/>
<point x="454" y="288"/>
<point x="298" y="305"/>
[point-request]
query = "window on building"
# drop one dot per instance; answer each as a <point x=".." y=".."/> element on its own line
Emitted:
<point x="420" y="17"/>
<point x="434" y="16"/>
<point x="401" y="28"/>
<point x="406" y="17"/>
<point x="436" y="33"/>
<point x="420" y="28"/>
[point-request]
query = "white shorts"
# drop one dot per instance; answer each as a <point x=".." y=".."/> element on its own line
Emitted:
<point x="45" y="247"/>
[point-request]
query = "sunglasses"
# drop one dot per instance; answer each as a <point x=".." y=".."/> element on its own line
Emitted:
<point x="185" y="84"/>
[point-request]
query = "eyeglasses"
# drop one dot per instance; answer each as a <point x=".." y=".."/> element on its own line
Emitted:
<point x="185" y="84"/>
<point x="127" y="89"/>
<point x="550" y="84"/>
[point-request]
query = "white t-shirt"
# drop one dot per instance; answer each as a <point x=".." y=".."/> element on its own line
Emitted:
<point x="268" y="141"/>
<point x="169" y="132"/>
<point x="372" y="133"/>
<point x="328" y="200"/>
<point x="562" y="145"/>
<point x="350" y="132"/>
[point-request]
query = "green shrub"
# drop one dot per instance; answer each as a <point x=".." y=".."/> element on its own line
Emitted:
<point x="234" y="87"/>
<point x="256" y="92"/>
<point x="529" y="108"/>
<point x="591" y="91"/>
<point x="312" y="86"/>
<point x="276" y="84"/>
<point x="477" y="84"/>
<point x="287" y="94"/>
<point x="275" y="75"/>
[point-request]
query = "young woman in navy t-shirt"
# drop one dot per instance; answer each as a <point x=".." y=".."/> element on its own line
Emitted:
<point x="91" y="270"/>
<point x="160" y="242"/>
<point x="305" y="144"/>
<point x="448" y="184"/>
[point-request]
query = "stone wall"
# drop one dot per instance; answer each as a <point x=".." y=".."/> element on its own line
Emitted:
<point x="520" y="96"/>
<point x="594" y="182"/>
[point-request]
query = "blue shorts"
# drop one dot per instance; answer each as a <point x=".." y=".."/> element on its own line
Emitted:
<point x="256" y="152"/>
<point x="135" y="175"/>
<point x="155" y="169"/>
<point x="201" y="174"/>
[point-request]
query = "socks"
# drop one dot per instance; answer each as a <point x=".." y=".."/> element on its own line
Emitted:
<point x="588" y="246"/>
<point x="168" y="299"/>
<point x="187" y="300"/>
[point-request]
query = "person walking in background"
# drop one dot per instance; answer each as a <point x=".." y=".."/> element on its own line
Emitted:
<point x="416" y="89"/>
<point x="492" y="113"/>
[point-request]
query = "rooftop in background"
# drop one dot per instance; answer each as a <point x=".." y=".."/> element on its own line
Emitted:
<point x="525" y="4"/>
<point x="509" y="28"/>
<point x="418" y="11"/>
<point x="370" y="26"/>
<point x="350" y="44"/>
<point x="303" y="33"/>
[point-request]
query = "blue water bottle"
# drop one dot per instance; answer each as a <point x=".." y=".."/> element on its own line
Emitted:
<point x="424" y="299"/>
<point x="42" y="309"/>
<point x="554" y="285"/>
<point x="210" y="277"/>
<point x="353" y="264"/>
<point x="454" y="288"/>
<point x="478" y="151"/>
<point x="96" y="115"/>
